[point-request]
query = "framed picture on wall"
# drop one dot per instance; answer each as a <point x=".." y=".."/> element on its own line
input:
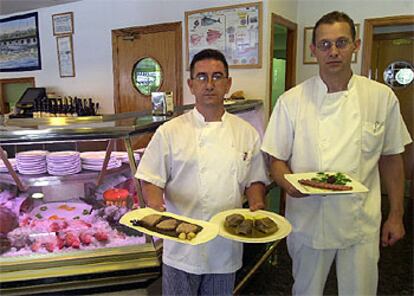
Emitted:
<point x="19" y="42"/>
<point x="65" y="56"/>
<point x="235" y="30"/>
<point x="62" y="23"/>
<point x="308" y="57"/>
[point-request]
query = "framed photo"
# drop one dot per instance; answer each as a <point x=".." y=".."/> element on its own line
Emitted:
<point x="62" y="23"/>
<point x="65" y="56"/>
<point x="308" y="57"/>
<point x="235" y="30"/>
<point x="19" y="43"/>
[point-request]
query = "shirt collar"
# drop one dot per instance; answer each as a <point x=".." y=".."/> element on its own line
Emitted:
<point x="323" y="89"/>
<point x="201" y="120"/>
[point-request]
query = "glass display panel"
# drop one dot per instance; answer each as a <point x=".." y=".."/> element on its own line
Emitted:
<point x="399" y="74"/>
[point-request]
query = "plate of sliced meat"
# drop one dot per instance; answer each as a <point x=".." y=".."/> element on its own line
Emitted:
<point x="324" y="183"/>
<point x="170" y="226"/>
<point x="246" y="226"/>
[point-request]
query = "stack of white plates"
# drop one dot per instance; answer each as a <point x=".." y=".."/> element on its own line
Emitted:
<point x="63" y="163"/>
<point x="3" y="168"/>
<point x="32" y="162"/>
<point x="123" y="156"/>
<point x="94" y="160"/>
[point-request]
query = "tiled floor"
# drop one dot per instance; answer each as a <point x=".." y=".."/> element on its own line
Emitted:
<point x="153" y="289"/>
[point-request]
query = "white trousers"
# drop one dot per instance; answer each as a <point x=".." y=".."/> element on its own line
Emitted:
<point x="356" y="268"/>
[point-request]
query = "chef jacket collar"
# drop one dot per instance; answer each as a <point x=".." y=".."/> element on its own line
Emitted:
<point x="201" y="120"/>
<point x="323" y="89"/>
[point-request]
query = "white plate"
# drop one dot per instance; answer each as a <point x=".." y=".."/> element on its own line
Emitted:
<point x="294" y="180"/>
<point x="284" y="226"/>
<point x="93" y="155"/>
<point x="208" y="232"/>
<point x="31" y="153"/>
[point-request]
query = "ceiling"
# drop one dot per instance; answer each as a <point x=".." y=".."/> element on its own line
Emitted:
<point x="15" y="6"/>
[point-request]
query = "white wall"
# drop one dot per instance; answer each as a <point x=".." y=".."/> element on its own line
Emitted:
<point x="93" y="22"/>
<point x="309" y="11"/>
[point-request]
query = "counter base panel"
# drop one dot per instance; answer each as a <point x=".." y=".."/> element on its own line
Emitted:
<point x="84" y="284"/>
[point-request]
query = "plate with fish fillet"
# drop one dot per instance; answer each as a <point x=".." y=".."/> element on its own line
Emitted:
<point x="170" y="226"/>
<point x="246" y="226"/>
<point x="325" y="183"/>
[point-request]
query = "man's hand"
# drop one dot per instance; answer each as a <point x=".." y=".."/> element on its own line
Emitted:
<point x="392" y="174"/>
<point x="256" y="196"/>
<point x="278" y="169"/>
<point x="154" y="196"/>
<point x="293" y="192"/>
<point x="256" y="206"/>
<point x="392" y="231"/>
<point x="157" y="207"/>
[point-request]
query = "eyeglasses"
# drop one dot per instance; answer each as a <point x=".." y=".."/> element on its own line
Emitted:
<point x="203" y="78"/>
<point x="326" y="45"/>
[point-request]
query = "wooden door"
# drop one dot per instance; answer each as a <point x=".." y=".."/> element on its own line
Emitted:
<point x="162" y="42"/>
<point x="368" y="57"/>
<point x="389" y="48"/>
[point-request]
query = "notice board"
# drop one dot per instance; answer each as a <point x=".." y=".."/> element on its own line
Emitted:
<point x="235" y="30"/>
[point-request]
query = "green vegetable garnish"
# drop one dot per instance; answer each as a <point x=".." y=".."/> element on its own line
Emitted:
<point x="337" y="179"/>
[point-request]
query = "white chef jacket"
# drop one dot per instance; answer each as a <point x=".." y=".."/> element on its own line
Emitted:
<point x="347" y="131"/>
<point x="204" y="168"/>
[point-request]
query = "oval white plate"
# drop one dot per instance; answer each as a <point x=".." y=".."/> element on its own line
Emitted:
<point x="284" y="226"/>
<point x="208" y="232"/>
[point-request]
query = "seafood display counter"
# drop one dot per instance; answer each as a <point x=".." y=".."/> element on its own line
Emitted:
<point x="60" y="207"/>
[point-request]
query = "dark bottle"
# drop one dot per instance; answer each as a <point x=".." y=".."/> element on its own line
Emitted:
<point x="52" y="108"/>
<point x="59" y="108"/>
<point x="79" y="107"/>
<point x="66" y="107"/>
<point x="45" y="110"/>
<point x="97" y="109"/>
<point x="91" y="107"/>
<point x="73" y="108"/>
<point x="85" y="107"/>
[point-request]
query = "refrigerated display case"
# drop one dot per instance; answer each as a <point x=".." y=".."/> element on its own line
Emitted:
<point x="70" y="238"/>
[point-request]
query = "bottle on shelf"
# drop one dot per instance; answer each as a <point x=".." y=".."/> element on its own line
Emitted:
<point x="73" y="107"/>
<point x="59" y="108"/>
<point x="53" y="108"/>
<point x="97" y="108"/>
<point x="45" y="111"/>
<point x="85" y="107"/>
<point x="65" y="107"/>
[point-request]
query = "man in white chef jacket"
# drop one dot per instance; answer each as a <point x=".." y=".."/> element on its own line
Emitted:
<point x="203" y="162"/>
<point x="337" y="121"/>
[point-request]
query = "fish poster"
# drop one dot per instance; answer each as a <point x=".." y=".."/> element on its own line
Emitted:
<point x="234" y="30"/>
<point x="19" y="43"/>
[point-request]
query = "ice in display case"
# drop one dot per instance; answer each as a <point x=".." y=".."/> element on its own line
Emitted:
<point x="62" y="229"/>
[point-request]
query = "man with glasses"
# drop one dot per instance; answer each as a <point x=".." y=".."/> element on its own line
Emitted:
<point x="338" y="122"/>
<point x="197" y="165"/>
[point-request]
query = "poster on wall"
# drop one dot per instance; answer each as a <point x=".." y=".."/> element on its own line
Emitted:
<point x="234" y="30"/>
<point x="65" y="56"/>
<point x="19" y="43"/>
